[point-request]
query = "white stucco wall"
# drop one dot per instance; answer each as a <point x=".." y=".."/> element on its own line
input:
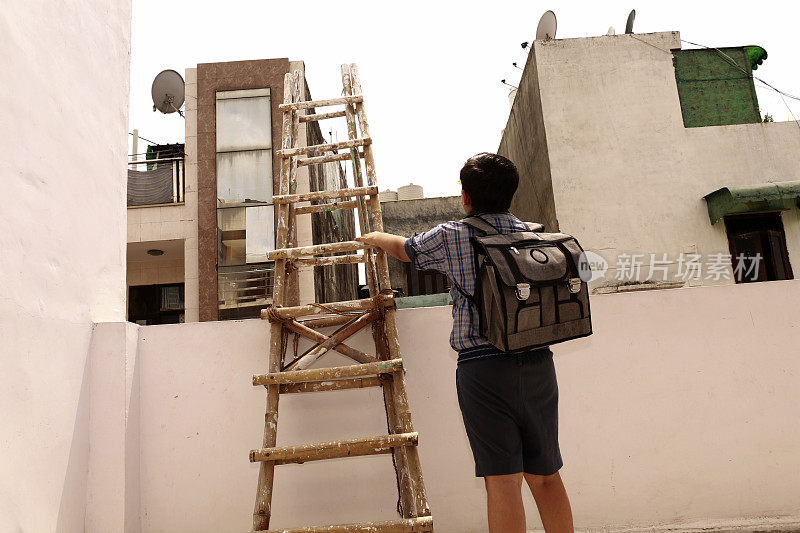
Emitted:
<point x="64" y="78"/>
<point x="680" y="408"/>
<point x="628" y="177"/>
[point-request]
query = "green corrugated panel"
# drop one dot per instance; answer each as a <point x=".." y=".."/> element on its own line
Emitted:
<point x="752" y="198"/>
<point x="712" y="90"/>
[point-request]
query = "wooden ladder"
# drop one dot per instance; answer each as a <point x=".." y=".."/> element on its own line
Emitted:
<point x="385" y="368"/>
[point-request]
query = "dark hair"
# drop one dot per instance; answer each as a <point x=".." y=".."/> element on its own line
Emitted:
<point x="490" y="181"/>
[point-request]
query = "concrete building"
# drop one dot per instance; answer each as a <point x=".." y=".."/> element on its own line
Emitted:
<point x="207" y="211"/>
<point x="655" y="155"/>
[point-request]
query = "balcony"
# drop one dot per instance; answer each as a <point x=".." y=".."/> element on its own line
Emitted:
<point x="244" y="290"/>
<point x="155" y="182"/>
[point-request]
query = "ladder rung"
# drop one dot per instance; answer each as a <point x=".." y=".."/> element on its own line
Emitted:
<point x="322" y="148"/>
<point x="400" y="525"/>
<point x="348" y="259"/>
<point x="317" y="249"/>
<point x="323" y="374"/>
<point x="336" y="384"/>
<point x="321" y="103"/>
<point x="324" y="195"/>
<point x="320" y="208"/>
<point x="344" y="156"/>
<point x="327" y="321"/>
<point x="322" y="116"/>
<point x="334" y="449"/>
<point x="336" y="307"/>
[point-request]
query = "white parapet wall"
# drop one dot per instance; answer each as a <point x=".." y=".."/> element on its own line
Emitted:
<point x="681" y="408"/>
<point x="64" y="79"/>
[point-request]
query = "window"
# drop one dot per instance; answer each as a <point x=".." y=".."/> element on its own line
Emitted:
<point x="156" y="304"/>
<point x="757" y="244"/>
<point x="245" y="223"/>
<point x="245" y="235"/>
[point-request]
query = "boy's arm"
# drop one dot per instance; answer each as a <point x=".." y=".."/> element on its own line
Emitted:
<point x="391" y="244"/>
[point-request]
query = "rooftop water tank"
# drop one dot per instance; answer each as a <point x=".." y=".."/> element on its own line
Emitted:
<point x="409" y="192"/>
<point x="387" y="196"/>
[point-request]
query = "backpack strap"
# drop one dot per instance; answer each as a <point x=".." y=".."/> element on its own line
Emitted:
<point x="535" y="227"/>
<point x="479" y="224"/>
<point x="483" y="227"/>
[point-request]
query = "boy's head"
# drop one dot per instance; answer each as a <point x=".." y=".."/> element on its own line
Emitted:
<point x="490" y="181"/>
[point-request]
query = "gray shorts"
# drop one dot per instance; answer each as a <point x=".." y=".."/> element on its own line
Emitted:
<point x="509" y="403"/>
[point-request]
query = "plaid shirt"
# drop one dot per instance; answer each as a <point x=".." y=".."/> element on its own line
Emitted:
<point x="447" y="248"/>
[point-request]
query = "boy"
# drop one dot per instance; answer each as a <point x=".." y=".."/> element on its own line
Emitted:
<point x="509" y="402"/>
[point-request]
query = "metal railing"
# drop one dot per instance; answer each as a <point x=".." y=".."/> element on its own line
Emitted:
<point x="245" y="286"/>
<point x="155" y="182"/>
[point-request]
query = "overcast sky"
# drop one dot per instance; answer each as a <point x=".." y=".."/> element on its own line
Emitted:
<point x="430" y="70"/>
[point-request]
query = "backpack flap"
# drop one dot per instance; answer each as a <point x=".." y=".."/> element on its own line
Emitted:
<point x="526" y="257"/>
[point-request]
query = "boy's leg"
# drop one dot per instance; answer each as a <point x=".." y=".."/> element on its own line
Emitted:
<point x="552" y="502"/>
<point x="504" y="502"/>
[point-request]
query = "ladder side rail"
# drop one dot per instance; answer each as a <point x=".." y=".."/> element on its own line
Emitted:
<point x="293" y="283"/>
<point x="358" y="181"/>
<point x="399" y="395"/>
<point x="266" y="472"/>
<point x="397" y="385"/>
<point x="382" y="340"/>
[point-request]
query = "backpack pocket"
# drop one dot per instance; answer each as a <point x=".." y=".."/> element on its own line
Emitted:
<point x="528" y="318"/>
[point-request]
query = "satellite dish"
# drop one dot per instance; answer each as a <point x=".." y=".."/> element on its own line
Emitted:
<point x="547" y="26"/>
<point x="611" y="31"/>
<point x="168" y="92"/>
<point x="629" y="24"/>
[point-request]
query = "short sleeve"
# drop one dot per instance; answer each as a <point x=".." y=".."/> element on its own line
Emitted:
<point x="428" y="251"/>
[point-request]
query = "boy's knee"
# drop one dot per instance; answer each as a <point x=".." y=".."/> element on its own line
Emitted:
<point x="542" y="482"/>
<point x="503" y="483"/>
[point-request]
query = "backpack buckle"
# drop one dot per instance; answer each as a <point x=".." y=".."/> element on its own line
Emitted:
<point x="523" y="291"/>
<point x="575" y="285"/>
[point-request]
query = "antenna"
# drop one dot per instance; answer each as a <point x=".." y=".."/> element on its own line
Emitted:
<point x="168" y="92"/>
<point x="547" y="27"/>
<point x="629" y="24"/>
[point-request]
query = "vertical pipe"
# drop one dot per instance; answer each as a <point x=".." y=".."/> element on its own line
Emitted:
<point x="180" y="180"/>
<point x="135" y="146"/>
<point x="174" y="182"/>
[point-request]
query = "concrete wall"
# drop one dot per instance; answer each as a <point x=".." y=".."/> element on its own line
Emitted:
<point x="524" y="141"/>
<point x="156" y="272"/>
<point x="627" y="176"/>
<point x="406" y="217"/>
<point x="680" y="408"/>
<point x="64" y="79"/>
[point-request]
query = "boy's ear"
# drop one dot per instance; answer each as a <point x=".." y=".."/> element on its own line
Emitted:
<point x="466" y="201"/>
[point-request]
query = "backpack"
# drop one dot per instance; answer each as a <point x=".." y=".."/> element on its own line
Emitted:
<point x="529" y="291"/>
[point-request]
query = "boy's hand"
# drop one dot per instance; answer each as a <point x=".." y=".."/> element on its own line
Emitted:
<point x="392" y="244"/>
<point x="373" y="238"/>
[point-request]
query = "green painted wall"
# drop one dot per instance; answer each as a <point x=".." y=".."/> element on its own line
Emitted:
<point x="714" y="92"/>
